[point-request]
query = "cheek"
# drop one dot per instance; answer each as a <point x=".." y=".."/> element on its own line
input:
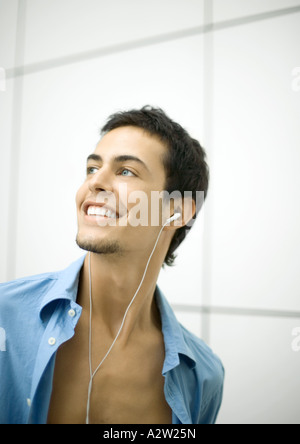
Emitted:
<point x="79" y="198"/>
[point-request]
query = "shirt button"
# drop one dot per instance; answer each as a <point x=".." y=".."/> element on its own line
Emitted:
<point x="51" y="341"/>
<point x="71" y="313"/>
<point x="29" y="402"/>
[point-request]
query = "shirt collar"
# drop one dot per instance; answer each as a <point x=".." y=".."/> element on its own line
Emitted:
<point x="175" y="345"/>
<point x="65" y="285"/>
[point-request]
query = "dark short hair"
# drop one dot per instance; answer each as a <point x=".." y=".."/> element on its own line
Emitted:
<point x="185" y="165"/>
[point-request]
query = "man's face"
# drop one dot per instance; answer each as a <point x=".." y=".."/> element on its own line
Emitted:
<point x="127" y="161"/>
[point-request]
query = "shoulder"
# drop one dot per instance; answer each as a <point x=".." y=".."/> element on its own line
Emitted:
<point x="205" y="359"/>
<point x="25" y="291"/>
<point x="28" y="282"/>
<point x="34" y="292"/>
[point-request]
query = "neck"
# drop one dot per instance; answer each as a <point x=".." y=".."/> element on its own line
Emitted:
<point x="114" y="282"/>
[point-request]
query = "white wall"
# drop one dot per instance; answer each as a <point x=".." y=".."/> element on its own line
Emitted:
<point x="69" y="64"/>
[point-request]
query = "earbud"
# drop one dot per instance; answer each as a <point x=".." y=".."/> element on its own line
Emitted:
<point x="172" y="218"/>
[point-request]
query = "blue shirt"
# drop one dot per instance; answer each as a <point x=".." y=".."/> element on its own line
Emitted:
<point x="39" y="313"/>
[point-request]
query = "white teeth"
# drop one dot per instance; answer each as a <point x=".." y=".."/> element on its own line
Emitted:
<point x="101" y="211"/>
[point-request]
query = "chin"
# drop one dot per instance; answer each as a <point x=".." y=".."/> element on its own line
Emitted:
<point x="98" y="246"/>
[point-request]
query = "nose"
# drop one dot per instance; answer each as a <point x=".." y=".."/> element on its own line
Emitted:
<point x="101" y="181"/>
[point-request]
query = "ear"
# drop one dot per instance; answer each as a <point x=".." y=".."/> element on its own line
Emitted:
<point x="187" y="209"/>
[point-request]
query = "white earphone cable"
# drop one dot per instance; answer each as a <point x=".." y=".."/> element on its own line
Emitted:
<point x="92" y="374"/>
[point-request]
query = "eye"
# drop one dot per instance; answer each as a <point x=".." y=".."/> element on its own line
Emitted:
<point x="127" y="173"/>
<point x="91" y="170"/>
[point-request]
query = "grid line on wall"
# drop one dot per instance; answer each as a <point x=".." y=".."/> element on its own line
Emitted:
<point x="31" y="68"/>
<point x="237" y="311"/>
<point x="207" y="92"/>
<point x="15" y="144"/>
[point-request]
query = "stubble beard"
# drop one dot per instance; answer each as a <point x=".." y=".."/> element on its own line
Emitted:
<point x="107" y="247"/>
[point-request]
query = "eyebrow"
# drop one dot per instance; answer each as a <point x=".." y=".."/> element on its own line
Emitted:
<point x="119" y="159"/>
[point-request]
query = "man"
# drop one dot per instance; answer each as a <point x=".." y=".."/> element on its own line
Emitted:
<point x="98" y="342"/>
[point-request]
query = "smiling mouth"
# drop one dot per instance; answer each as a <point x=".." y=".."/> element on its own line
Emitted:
<point x="93" y="210"/>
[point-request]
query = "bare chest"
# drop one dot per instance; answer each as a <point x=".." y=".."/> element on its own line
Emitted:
<point x="127" y="389"/>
